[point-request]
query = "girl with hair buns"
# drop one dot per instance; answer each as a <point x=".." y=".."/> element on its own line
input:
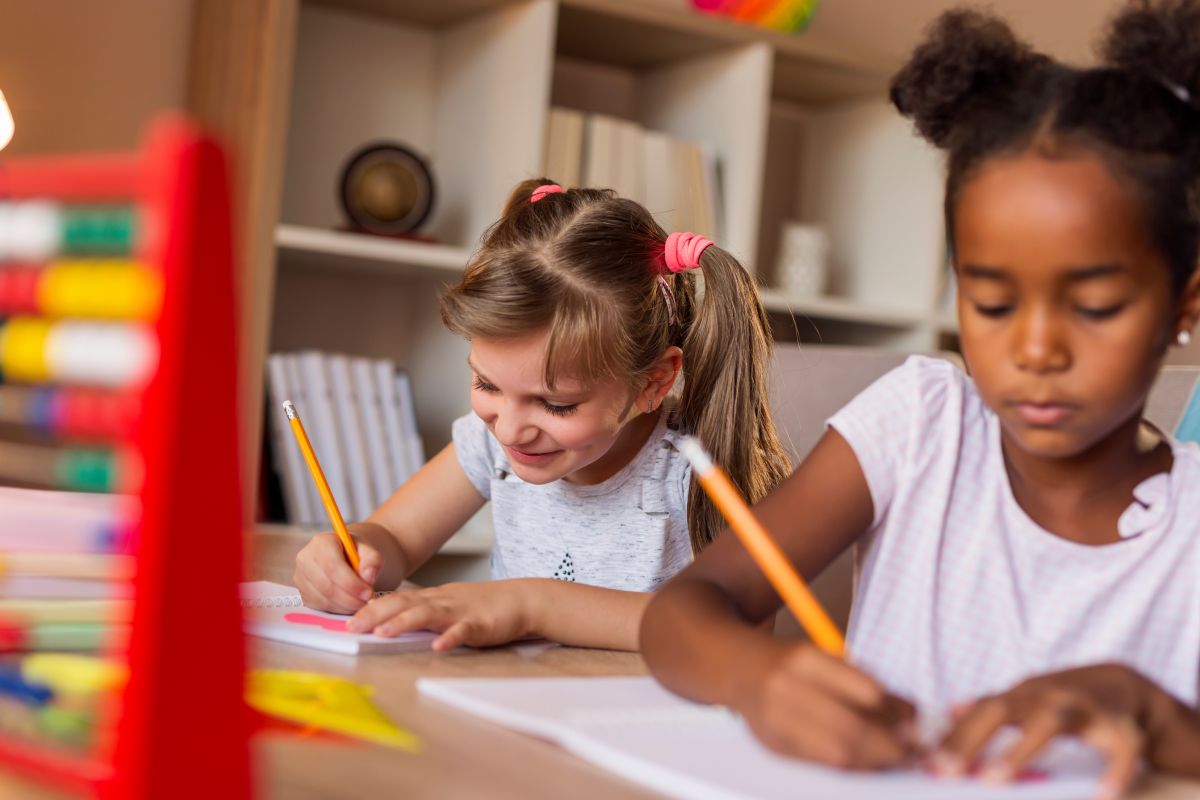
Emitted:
<point x="583" y="315"/>
<point x="1028" y="544"/>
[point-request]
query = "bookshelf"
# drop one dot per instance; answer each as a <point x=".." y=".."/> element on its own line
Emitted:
<point x="801" y="129"/>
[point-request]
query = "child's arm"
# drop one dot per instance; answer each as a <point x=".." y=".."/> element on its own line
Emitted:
<point x="394" y="540"/>
<point x="1111" y="706"/>
<point x="496" y="612"/>
<point x="700" y="639"/>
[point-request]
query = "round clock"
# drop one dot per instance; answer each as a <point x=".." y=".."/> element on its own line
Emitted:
<point x="386" y="188"/>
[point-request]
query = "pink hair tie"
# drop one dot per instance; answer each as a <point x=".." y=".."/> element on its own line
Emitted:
<point x="543" y="190"/>
<point x="683" y="251"/>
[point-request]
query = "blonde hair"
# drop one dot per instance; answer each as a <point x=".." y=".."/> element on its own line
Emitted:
<point x="584" y="264"/>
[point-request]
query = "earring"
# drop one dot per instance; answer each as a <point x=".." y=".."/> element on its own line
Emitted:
<point x="649" y="406"/>
<point x="1183" y="338"/>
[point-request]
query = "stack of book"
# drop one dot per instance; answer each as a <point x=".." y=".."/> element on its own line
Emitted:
<point x="360" y="416"/>
<point x="677" y="180"/>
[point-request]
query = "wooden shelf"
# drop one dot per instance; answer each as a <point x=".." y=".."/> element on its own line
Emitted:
<point x="316" y="248"/>
<point x="642" y="35"/>
<point x="434" y="13"/>
<point x="838" y="308"/>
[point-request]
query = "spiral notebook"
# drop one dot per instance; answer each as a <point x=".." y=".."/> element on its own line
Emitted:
<point x="275" y="611"/>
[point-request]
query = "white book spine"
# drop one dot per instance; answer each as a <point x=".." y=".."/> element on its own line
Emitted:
<point x="348" y="417"/>
<point x="382" y="481"/>
<point x="319" y="422"/>
<point x="408" y="419"/>
<point x="288" y="459"/>
<point x="385" y="379"/>
<point x="314" y="510"/>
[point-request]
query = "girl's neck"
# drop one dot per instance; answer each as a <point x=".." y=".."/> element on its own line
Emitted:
<point x="630" y="441"/>
<point x="1082" y="497"/>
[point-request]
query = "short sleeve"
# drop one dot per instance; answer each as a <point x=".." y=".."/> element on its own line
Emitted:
<point x="476" y="450"/>
<point x="886" y="423"/>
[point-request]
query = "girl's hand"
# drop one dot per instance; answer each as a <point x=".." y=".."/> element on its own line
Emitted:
<point x="476" y="614"/>
<point x="326" y="580"/>
<point x="1110" y="706"/>
<point x="803" y="702"/>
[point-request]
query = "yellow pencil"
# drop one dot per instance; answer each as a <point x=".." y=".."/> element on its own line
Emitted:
<point x="310" y="458"/>
<point x="763" y="549"/>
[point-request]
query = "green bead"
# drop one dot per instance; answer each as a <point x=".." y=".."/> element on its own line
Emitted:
<point x="70" y="726"/>
<point x="88" y="470"/>
<point x="99" y="230"/>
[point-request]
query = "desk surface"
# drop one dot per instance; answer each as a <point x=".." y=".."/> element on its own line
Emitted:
<point x="463" y="756"/>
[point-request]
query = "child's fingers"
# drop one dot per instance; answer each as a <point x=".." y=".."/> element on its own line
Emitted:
<point x="455" y="636"/>
<point x="813" y="723"/>
<point x="372" y="614"/>
<point x="322" y="565"/>
<point x="337" y="598"/>
<point x="1124" y="742"/>
<point x="370" y="561"/>
<point x="852" y="685"/>
<point x="968" y="736"/>
<point x="419" y="617"/>
<point x="334" y="565"/>
<point x="1037" y="730"/>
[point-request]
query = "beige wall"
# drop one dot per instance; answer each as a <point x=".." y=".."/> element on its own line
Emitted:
<point x="87" y="74"/>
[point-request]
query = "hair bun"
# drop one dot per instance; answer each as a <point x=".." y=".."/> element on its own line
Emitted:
<point x="1159" y="38"/>
<point x="966" y="57"/>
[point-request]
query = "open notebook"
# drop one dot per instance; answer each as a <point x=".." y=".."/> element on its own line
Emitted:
<point x="275" y="611"/>
<point x="639" y="730"/>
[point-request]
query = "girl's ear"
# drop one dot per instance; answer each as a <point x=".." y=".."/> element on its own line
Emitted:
<point x="1189" y="308"/>
<point x="660" y="379"/>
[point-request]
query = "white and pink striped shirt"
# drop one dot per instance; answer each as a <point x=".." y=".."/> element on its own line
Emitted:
<point x="960" y="594"/>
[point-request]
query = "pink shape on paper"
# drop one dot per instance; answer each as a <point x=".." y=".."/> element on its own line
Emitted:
<point x="338" y="625"/>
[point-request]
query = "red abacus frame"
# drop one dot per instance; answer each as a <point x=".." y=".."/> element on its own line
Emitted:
<point x="181" y="724"/>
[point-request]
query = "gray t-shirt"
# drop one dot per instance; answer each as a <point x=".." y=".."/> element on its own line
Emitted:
<point x="629" y="532"/>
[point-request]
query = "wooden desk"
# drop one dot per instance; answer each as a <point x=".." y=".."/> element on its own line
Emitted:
<point x="463" y="757"/>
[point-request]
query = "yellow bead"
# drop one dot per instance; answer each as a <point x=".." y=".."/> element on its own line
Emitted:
<point x="23" y="349"/>
<point x="100" y="289"/>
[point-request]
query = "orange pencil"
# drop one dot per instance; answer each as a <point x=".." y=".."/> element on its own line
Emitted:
<point x="763" y="550"/>
<point x="310" y="458"/>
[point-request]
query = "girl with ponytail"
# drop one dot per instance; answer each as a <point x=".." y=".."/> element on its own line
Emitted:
<point x="584" y="317"/>
<point x="1028" y="544"/>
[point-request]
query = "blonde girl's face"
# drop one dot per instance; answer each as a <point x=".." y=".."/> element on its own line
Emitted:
<point x="1065" y="306"/>
<point x="574" y="432"/>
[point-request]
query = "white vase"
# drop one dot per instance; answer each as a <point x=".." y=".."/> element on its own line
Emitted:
<point x="802" y="267"/>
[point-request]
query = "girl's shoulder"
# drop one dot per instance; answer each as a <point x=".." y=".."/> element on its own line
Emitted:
<point x="925" y="391"/>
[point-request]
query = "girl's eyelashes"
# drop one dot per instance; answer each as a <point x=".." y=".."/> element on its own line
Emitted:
<point x="558" y="411"/>
<point x="1088" y="312"/>
<point x="992" y="311"/>
<point x="1099" y="313"/>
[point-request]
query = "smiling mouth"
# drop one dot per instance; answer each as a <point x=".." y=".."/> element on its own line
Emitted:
<point x="530" y="458"/>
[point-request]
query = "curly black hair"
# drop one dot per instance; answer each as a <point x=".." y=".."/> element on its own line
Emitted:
<point x="975" y="90"/>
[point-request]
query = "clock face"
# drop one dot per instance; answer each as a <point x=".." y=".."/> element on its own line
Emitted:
<point x="386" y="188"/>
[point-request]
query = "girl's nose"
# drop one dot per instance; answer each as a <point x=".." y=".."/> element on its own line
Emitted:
<point x="1039" y="343"/>
<point x="512" y="425"/>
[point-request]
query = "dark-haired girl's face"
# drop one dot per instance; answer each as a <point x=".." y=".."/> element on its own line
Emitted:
<point x="1065" y="307"/>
